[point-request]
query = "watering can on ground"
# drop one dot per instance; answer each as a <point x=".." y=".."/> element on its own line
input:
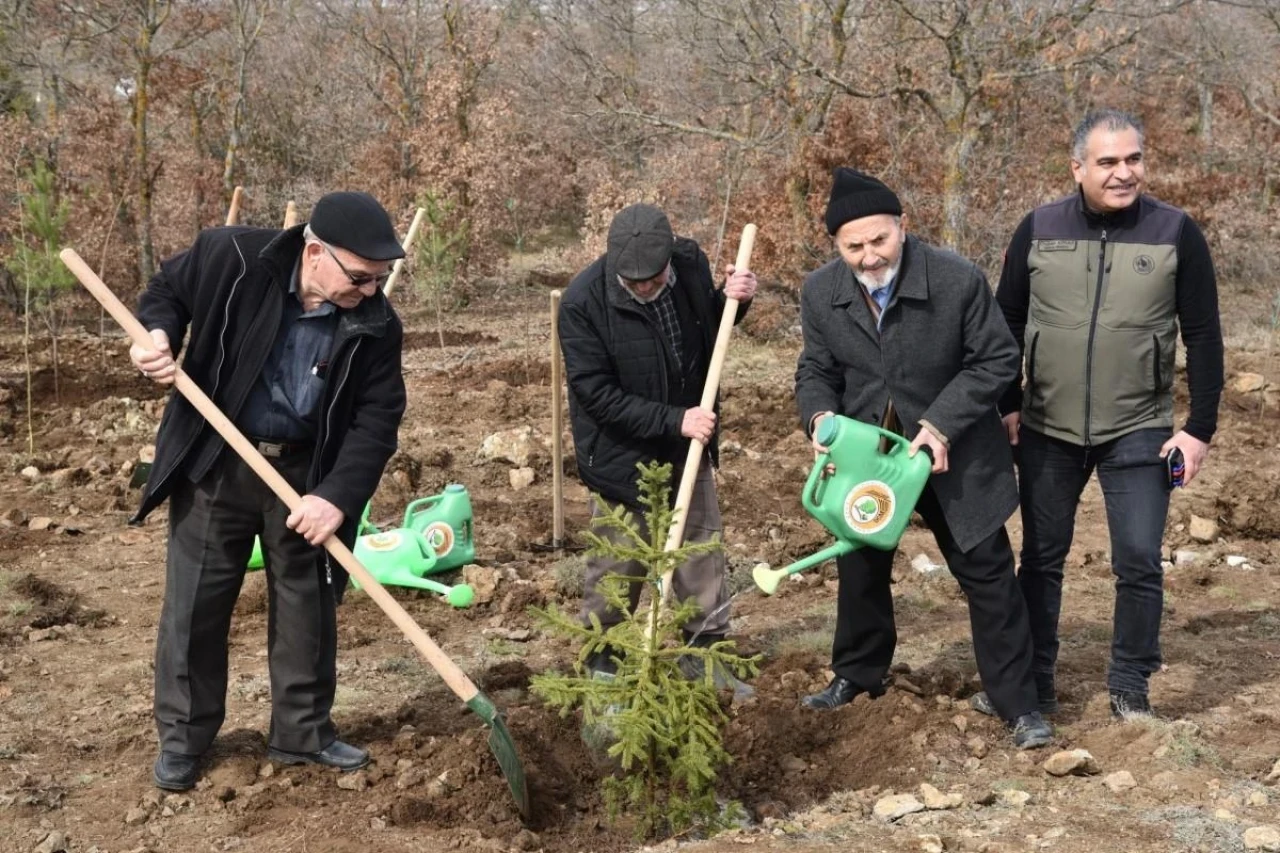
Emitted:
<point x="860" y="494"/>
<point x="444" y="521"/>
<point x="399" y="557"/>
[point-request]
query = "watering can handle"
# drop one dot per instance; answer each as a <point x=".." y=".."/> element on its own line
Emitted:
<point x="412" y="509"/>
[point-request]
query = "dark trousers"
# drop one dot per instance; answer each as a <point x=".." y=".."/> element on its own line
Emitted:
<point x="701" y="577"/>
<point x="211" y="528"/>
<point x="1052" y="475"/>
<point x="866" y="634"/>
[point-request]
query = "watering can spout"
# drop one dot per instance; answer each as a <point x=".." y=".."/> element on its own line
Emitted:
<point x="768" y="579"/>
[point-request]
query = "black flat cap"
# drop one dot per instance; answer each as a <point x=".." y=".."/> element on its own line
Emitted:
<point x="356" y="222"/>
<point x="640" y="242"/>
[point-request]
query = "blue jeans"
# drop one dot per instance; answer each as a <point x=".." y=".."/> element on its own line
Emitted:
<point x="1052" y="475"/>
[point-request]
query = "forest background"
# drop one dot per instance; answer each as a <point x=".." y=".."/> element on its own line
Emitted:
<point x="524" y="125"/>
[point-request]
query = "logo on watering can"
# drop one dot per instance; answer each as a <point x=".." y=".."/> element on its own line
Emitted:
<point x="869" y="506"/>
<point x="388" y="541"/>
<point x="439" y="536"/>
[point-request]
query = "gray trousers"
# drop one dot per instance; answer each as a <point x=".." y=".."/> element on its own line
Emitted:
<point x="211" y="528"/>
<point x="701" y="578"/>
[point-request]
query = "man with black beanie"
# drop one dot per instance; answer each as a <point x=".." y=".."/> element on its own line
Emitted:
<point x="637" y="329"/>
<point x="907" y="336"/>
<point x="292" y="338"/>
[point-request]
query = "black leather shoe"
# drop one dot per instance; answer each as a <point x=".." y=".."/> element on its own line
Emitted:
<point x="175" y="772"/>
<point x="1125" y="705"/>
<point x="341" y="755"/>
<point x="1031" y="731"/>
<point x="981" y="703"/>
<point x="841" y="691"/>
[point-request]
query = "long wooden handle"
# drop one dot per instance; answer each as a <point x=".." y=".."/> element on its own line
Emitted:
<point x="675" y="535"/>
<point x="233" y="213"/>
<point x="557" y="428"/>
<point x="290" y="215"/>
<point x="453" y="676"/>
<point x="406" y="245"/>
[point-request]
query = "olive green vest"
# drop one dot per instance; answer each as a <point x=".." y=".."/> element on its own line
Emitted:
<point x="1102" y="325"/>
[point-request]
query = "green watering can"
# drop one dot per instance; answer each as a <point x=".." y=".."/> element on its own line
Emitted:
<point x="444" y="520"/>
<point x="862" y="495"/>
<point x="399" y="557"/>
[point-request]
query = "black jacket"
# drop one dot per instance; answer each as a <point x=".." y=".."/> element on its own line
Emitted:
<point x="620" y="371"/>
<point x="229" y="289"/>
<point x="943" y="354"/>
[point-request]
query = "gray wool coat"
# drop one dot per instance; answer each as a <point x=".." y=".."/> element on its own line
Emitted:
<point x="943" y="352"/>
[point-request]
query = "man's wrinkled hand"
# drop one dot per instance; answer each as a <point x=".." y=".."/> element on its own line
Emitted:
<point x="698" y="424"/>
<point x="156" y="364"/>
<point x="739" y="284"/>
<point x="315" y="519"/>
<point x="1012" y="422"/>
<point x="925" y="438"/>
<point x="1193" y="453"/>
<point x="818" y="447"/>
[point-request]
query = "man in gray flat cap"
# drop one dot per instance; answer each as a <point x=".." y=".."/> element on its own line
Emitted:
<point x="637" y="328"/>
<point x="292" y="338"/>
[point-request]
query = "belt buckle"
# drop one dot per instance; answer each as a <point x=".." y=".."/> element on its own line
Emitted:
<point x="271" y="450"/>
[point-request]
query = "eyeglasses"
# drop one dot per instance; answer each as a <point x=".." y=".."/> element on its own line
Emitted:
<point x="357" y="279"/>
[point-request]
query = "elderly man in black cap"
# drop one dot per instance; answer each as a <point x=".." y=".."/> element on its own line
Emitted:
<point x="290" y="334"/>
<point x="637" y="328"/>
<point x="908" y="336"/>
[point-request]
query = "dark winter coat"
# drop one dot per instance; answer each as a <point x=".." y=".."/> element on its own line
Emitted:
<point x="945" y="355"/>
<point x="622" y="376"/>
<point x="229" y="291"/>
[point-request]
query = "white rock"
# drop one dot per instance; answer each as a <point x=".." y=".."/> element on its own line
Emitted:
<point x="1265" y="838"/>
<point x="934" y="799"/>
<point x="1014" y="798"/>
<point x="1185" y="557"/>
<point x="1225" y="815"/>
<point x="1203" y="529"/>
<point x="888" y="809"/>
<point x="1234" y="560"/>
<point x="930" y="844"/>
<point x="521" y="478"/>
<point x="1247" y="383"/>
<point x="56" y="842"/>
<point x="31" y="472"/>
<point x="1274" y="775"/>
<point x="357" y="781"/>
<point x="1121" y="780"/>
<point x="514" y="445"/>
<point x="483" y="580"/>
<point x="1073" y="762"/>
<point x="925" y="566"/>
<point x="1259" y="798"/>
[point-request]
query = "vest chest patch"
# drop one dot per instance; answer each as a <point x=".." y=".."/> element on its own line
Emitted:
<point x="1056" y="245"/>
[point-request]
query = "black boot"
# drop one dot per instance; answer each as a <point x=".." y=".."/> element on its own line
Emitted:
<point x="841" y="691"/>
<point x="694" y="667"/>
<point x="175" y="772"/>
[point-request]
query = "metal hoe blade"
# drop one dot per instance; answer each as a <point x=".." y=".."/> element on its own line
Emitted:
<point x="503" y="749"/>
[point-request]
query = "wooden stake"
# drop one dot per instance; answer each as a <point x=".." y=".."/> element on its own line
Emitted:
<point x="407" y="245"/>
<point x="233" y="212"/>
<point x="557" y="430"/>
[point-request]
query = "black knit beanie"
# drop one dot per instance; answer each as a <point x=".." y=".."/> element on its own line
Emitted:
<point x="854" y="195"/>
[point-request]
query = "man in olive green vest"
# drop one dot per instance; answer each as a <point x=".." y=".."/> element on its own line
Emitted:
<point x="1095" y="287"/>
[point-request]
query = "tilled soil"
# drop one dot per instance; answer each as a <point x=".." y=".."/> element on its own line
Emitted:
<point x="81" y="592"/>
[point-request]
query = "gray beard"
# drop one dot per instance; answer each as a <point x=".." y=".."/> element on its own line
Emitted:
<point x="871" y="284"/>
